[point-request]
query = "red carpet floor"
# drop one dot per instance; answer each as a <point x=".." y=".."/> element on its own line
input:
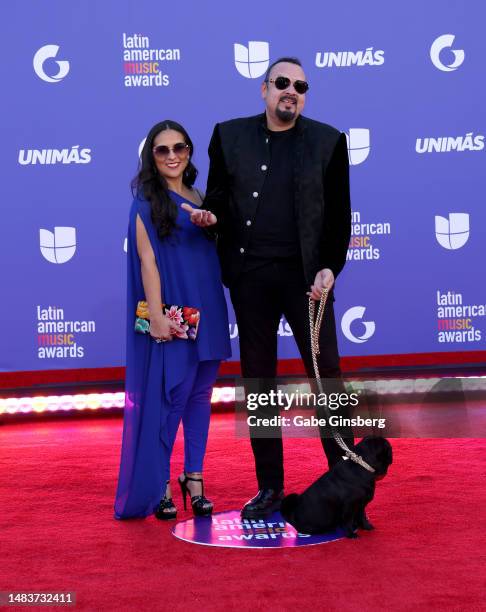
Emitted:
<point x="58" y="534"/>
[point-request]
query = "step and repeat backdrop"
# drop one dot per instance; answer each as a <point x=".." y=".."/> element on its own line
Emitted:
<point x="86" y="80"/>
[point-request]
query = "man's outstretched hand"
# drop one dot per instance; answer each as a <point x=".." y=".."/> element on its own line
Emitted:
<point x="324" y="279"/>
<point x="200" y="217"/>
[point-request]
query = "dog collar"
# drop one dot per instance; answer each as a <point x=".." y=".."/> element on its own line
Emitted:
<point x="359" y="460"/>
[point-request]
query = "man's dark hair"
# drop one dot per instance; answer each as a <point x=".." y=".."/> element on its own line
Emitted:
<point x="287" y="60"/>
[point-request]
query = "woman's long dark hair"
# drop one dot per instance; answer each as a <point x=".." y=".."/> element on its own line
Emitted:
<point x="153" y="186"/>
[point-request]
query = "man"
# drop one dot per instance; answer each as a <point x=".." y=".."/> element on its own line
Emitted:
<point x="278" y="189"/>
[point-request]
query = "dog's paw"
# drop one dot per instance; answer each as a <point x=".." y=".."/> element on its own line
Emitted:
<point x="366" y="525"/>
<point x="363" y="523"/>
<point x="350" y="532"/>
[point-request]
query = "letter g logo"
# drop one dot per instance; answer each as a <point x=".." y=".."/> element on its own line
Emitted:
<point x="445" y="42"/>
<point x="351" y="315"/>
<point x="45" y="53"/>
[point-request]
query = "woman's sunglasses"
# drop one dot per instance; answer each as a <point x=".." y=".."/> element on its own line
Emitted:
<point x="282" y="83"/>
<point x="181" y="149"/>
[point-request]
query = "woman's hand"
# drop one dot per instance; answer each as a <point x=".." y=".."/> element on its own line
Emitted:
<point x="200" y="217"/>
<point x="162" y="328"/>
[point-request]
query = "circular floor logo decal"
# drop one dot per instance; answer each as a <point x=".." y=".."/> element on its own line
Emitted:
<point x="228" y="529"/>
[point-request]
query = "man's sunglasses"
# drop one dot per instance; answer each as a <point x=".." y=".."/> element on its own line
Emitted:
<point x="181" y="149"/>
<point x="282" y="83"/>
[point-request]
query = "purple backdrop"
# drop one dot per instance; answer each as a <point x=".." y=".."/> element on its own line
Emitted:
<point x="86" y="81"/>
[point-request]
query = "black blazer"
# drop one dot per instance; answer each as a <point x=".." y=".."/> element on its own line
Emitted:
<point x="239" y="156"/>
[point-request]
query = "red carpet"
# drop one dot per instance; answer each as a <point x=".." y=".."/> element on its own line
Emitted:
<point x="58" y="534"/>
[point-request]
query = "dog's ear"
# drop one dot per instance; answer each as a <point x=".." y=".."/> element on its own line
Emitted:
<point x="389" y="453"/>
<point x="384" y="457"/>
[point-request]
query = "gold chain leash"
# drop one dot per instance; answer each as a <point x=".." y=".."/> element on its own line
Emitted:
<point x="315" y="329"/>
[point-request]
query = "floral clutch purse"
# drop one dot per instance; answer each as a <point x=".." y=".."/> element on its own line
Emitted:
<point x="185" y="317"/>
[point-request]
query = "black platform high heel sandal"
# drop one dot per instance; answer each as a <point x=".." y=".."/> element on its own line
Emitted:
<point x="163" y="511"/>
<point x="201" y="506"/>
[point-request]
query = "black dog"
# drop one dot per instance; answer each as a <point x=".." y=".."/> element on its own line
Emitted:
<point x="339" y="497"/>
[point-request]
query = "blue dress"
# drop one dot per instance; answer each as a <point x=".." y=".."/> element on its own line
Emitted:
<point x="190" y="276"/>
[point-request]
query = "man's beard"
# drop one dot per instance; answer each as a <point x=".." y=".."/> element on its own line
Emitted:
<point x="285" y="115"/>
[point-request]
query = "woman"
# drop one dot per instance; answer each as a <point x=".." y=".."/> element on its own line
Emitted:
<point x="168" y="379"/>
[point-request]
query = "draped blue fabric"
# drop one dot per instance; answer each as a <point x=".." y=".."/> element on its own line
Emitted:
<point x="190" y="276"/>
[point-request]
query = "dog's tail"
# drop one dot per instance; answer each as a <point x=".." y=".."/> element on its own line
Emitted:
<point x="289" y="504"/>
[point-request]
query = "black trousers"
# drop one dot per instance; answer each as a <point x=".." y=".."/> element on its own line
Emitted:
<point x="260" y="297"/>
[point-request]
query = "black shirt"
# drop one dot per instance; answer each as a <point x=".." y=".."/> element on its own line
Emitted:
<point x="274" y="233"/>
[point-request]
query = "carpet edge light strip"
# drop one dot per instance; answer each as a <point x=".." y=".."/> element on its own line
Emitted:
<point x="95" y="401"/>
